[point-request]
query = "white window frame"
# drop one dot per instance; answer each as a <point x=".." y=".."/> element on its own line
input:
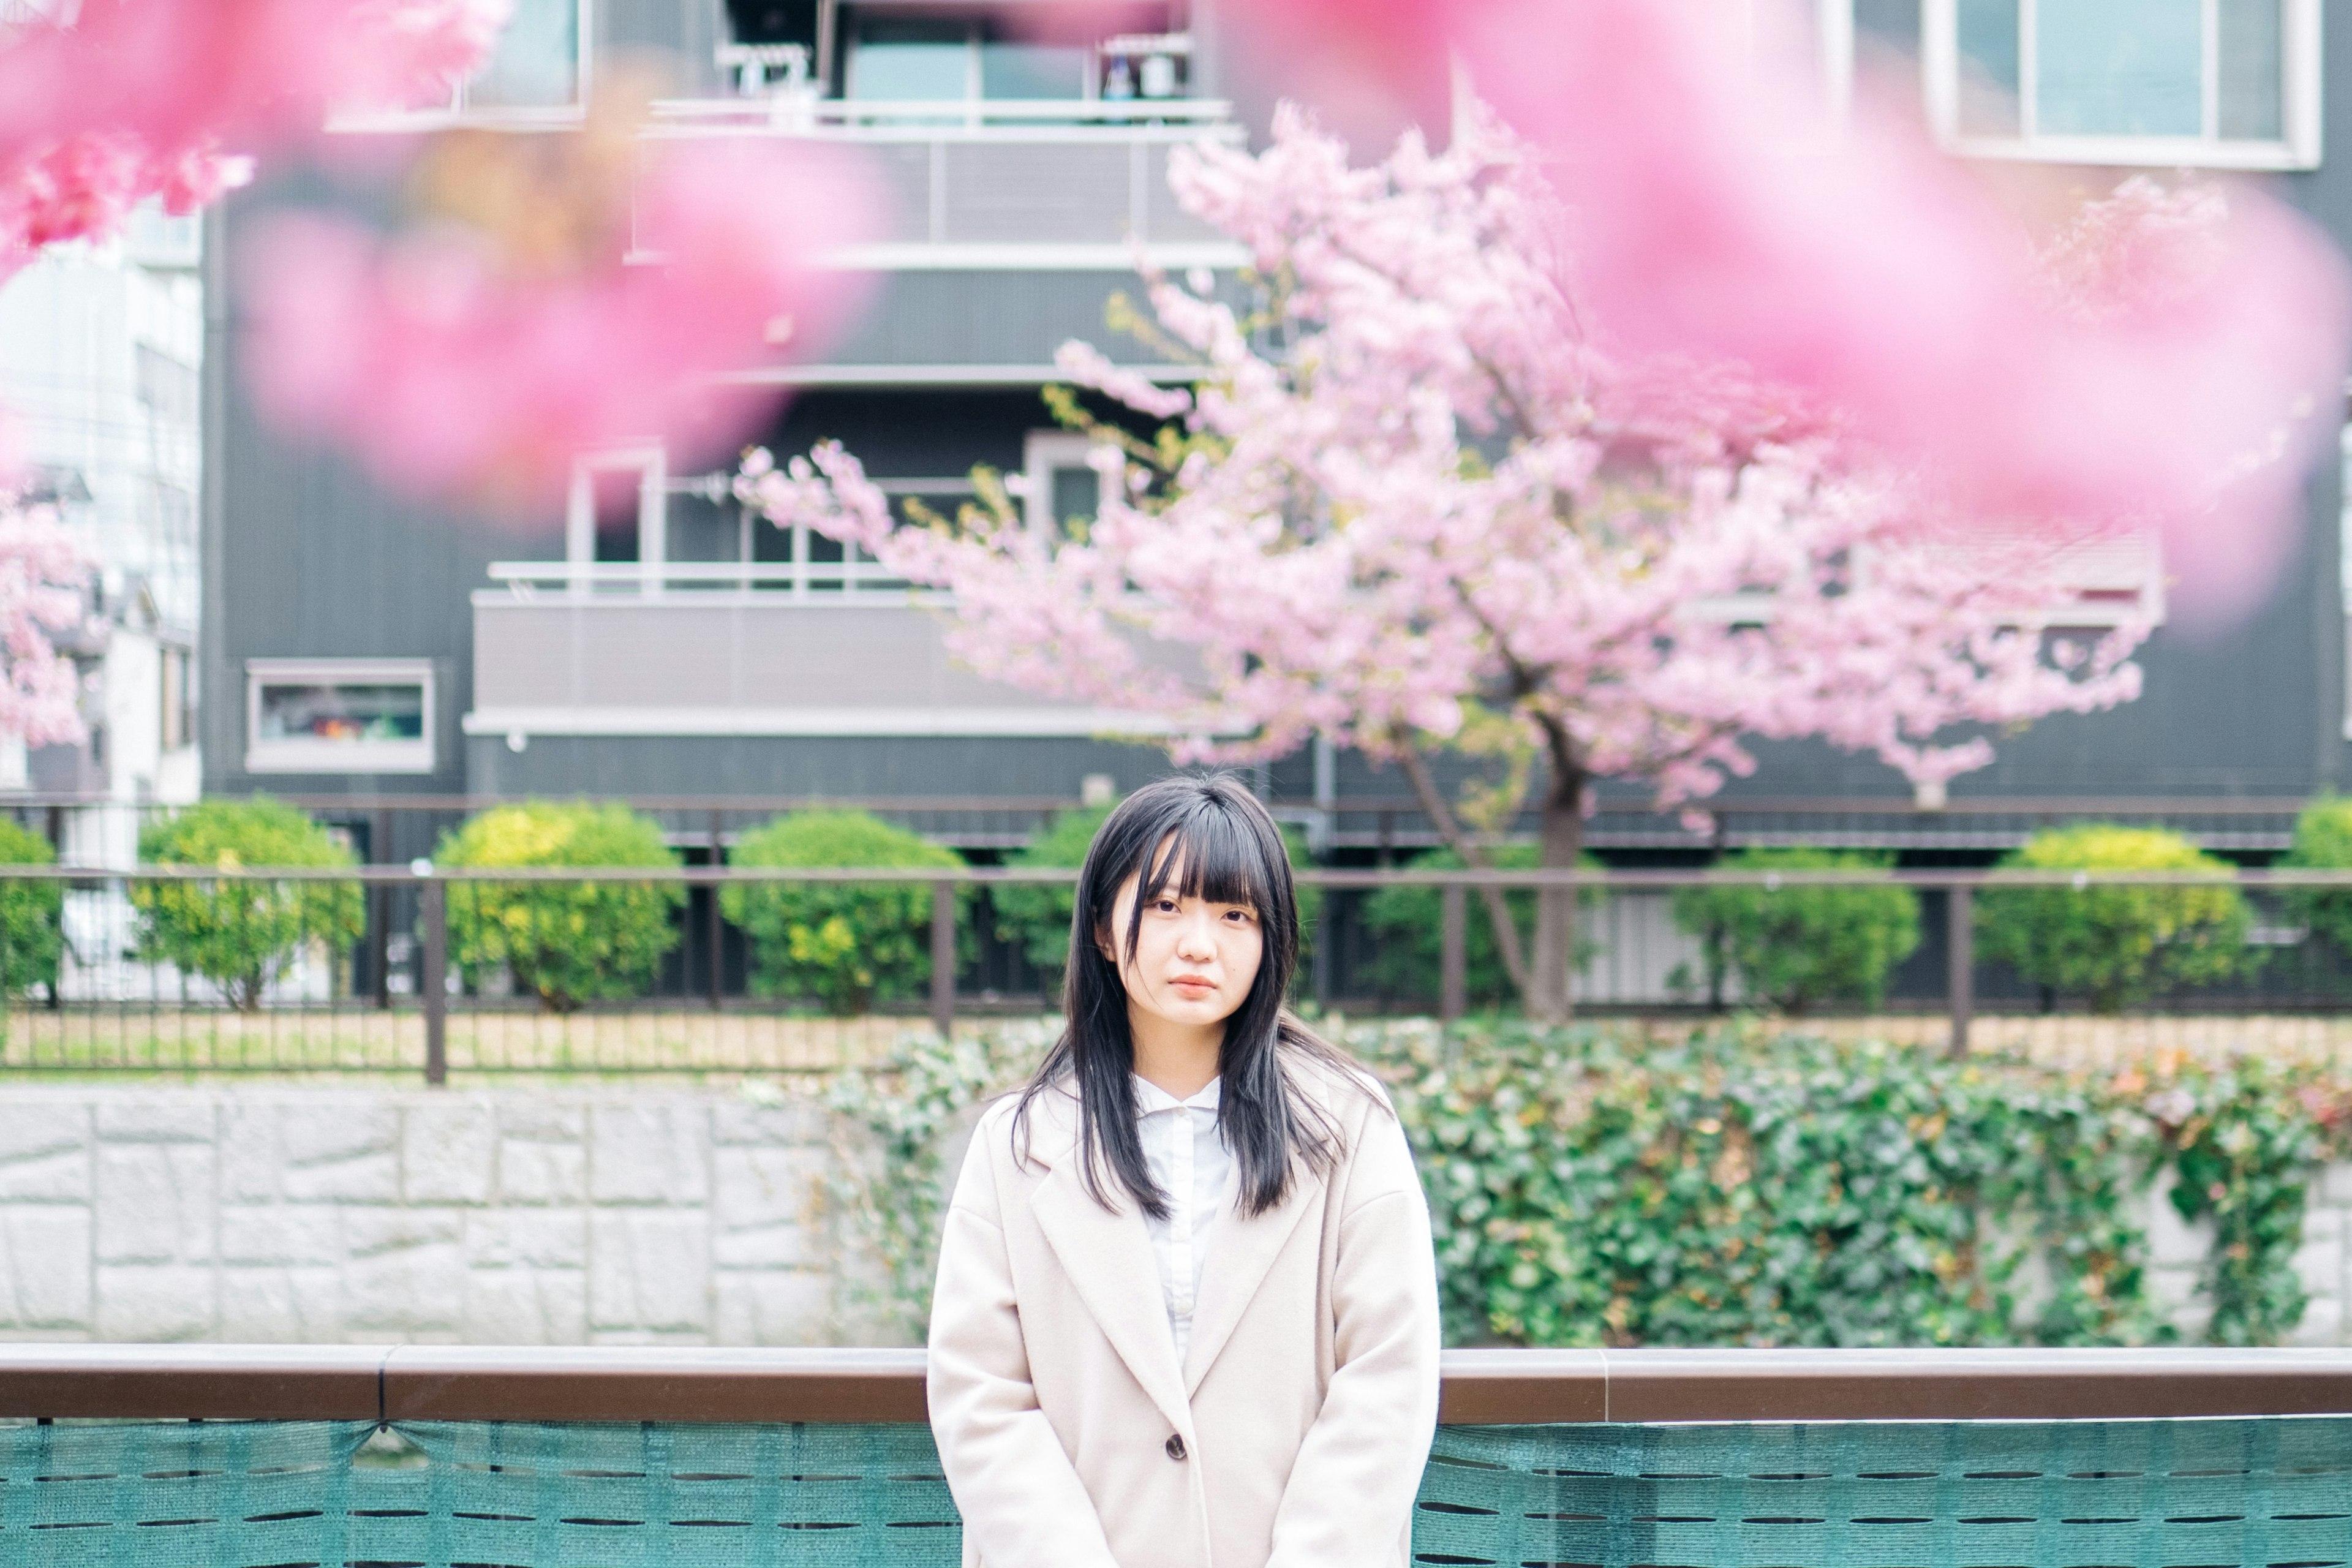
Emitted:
<point x="651" y="464"/>
<point x="299" y="756"/>
<point x="1042" y="452"/>
<point x="457" y="111"/>
<point x="2301" y="89"/>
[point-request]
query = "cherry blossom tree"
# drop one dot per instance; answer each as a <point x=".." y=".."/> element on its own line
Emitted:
<point x="108" y="103"/>
<point x="1413" y="502"/>
<point x="42" y="574"/>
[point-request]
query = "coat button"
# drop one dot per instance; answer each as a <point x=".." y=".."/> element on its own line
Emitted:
<point x="1175" y="1445"/>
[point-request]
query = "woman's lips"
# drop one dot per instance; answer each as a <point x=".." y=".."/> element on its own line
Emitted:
<point x="1194" y="985"/>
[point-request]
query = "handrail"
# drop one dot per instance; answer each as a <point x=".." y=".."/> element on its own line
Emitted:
<point x="615" y="1382"/>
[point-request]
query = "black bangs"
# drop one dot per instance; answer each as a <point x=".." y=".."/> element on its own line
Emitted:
<point x="1204" y="837"/>
<point x="1211" y="854"/>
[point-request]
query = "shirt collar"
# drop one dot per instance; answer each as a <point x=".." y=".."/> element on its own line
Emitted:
<point x="1150" y="1098"/>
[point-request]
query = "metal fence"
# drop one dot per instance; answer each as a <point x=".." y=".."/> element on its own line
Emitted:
<point x="361" y="974"/>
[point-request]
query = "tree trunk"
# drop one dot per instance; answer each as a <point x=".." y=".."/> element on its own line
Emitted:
<point x="1498" y="909"/>
<point x="1551" y="969"/>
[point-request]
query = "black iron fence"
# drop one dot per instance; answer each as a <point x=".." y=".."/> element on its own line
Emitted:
<point x="685" y="969"/>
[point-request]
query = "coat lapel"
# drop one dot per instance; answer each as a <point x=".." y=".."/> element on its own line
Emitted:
<point x="1242" y="1251"/>
<point x="1107" y="1257"/>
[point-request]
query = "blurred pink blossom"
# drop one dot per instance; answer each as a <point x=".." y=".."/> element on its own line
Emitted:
<point x="1716" y="213"/>
<point x="136" y="99"/>
<point x="449" y="364"/>
<point x="42" y="571"/>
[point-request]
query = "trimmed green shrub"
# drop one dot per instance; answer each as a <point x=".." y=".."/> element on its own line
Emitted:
<point x="1034" y="917"/>
<point x="845" y="945"/>
<point x="2323" y="842"/>
<point x="567" y="943"/>
<point x="30" y="936"/>
<point x="2118" y="945"/>
<point x="242" y="935"/>
<point x="1407" y="927"/>
<point x="1796" y="946"/>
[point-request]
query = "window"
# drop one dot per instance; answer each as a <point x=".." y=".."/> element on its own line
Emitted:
<point x="540" y="61"/>
<point x="1063" y="486"/>
<point x="2217" y="83"/>
<point x="339" y="716"/>
<point x="936" y="59"/>
<point x="168" y="388"/>
<point x="616" y="515"/>
<point x="178" y="717"/>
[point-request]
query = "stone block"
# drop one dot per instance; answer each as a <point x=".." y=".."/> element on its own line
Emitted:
<point x="326" y="1129"/>
<point x="788" y="1246"/>
<point x="338" y="1148"/>
<point x="2334" y="1185"/>
<point x="38" y="1132"/>
<point x="281" y="1306"/>
<point x="535" y="1117"/>
<point x="2323" y="1322"/>
<point x="531" y="1172"/>
<point x="373" y="1232"/>
<point x="143" y="1301"/>
<point x="648" y="1337"/>
<point x="407" y="1288"/>
<point x="155" y="1203"/>
<point x="284" y="1234"/>
<point x="63" y="1177"/>
<point x="772" y="1307"/>
<point x="449" y="1150"/>
<point x="756" y="1186"/>
<point x="793" y="1123"/>
<point x="361" y="1179"/>
<point x="158" y="1116"/>
<point x="45" y="1267"/>
<point x="536" y="1238"/>
<point x="2173" y="1242"/>
<point x="649" y="1269"/>
<point x="252" y="1155"/>
<point x="653" y="1150"/>
<point x="527" y="1306"/>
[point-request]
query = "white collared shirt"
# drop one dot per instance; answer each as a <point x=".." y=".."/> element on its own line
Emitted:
<point x="1186" y="1154"/>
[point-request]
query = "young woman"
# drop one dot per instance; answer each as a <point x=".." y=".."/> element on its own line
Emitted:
<point x="1187" y="1308"/>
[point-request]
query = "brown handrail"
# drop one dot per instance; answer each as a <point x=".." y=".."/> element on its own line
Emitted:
<point x="1512" y="1387"/>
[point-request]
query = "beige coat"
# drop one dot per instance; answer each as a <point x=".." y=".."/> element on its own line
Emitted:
<point x="1293" y="1434"/>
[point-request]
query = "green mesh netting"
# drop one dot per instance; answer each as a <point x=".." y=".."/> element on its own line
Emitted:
<point x="2273" y="1493"/>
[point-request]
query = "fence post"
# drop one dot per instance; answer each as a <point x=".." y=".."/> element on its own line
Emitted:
<point x="718" y="919"/>
<point x="1959" y="904"/>
<point x="943" y="945"/>
<point x="379" y="898"/>
<point x="1453" y="953"/>
<point x="433" y="979"/>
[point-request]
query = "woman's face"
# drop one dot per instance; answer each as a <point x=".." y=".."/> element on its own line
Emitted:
<point x="1194" y="959"/>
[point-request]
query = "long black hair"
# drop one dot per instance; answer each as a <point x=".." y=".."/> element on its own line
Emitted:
<point x="1194" y="836"/>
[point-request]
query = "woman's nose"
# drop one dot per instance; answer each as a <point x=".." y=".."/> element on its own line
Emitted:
<point x="1196" y="939"/>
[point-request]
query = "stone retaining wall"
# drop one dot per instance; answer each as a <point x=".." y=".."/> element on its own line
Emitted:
<point x="511" y="1217"/>
<point x="519" y="1216"/>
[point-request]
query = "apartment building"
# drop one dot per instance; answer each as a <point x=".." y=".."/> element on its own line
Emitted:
<point x="651" y="638"/>
<point x="101" y="347"/>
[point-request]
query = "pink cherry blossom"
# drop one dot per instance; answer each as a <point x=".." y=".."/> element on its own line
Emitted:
<point x="131" y="99"/>
<point x="42" y="571"/>
<point x="1448" y="513"/>
<point x="455" y="360"/>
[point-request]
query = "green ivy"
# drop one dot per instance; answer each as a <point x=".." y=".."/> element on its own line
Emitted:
<point x="1734" y="1187"/>
<point x="889" y="1181"/>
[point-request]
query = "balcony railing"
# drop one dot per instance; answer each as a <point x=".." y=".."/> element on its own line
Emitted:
<point x="802" y="579"/>
<point x="1608" y="1459"/>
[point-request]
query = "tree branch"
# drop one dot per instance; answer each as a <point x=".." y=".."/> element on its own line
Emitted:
<point x="1498" y="911"/>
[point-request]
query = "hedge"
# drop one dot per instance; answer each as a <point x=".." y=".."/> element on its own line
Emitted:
<point x="565" y="942"/>
<point x="1735" y="1186"/>
<point x="242" y="935"/>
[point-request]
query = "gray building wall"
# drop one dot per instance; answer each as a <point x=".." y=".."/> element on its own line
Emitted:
<point x="305" y="557"/>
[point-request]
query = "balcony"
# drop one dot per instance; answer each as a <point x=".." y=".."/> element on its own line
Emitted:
<point x="806" y="648"/>
<point x="996" y="183"/>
